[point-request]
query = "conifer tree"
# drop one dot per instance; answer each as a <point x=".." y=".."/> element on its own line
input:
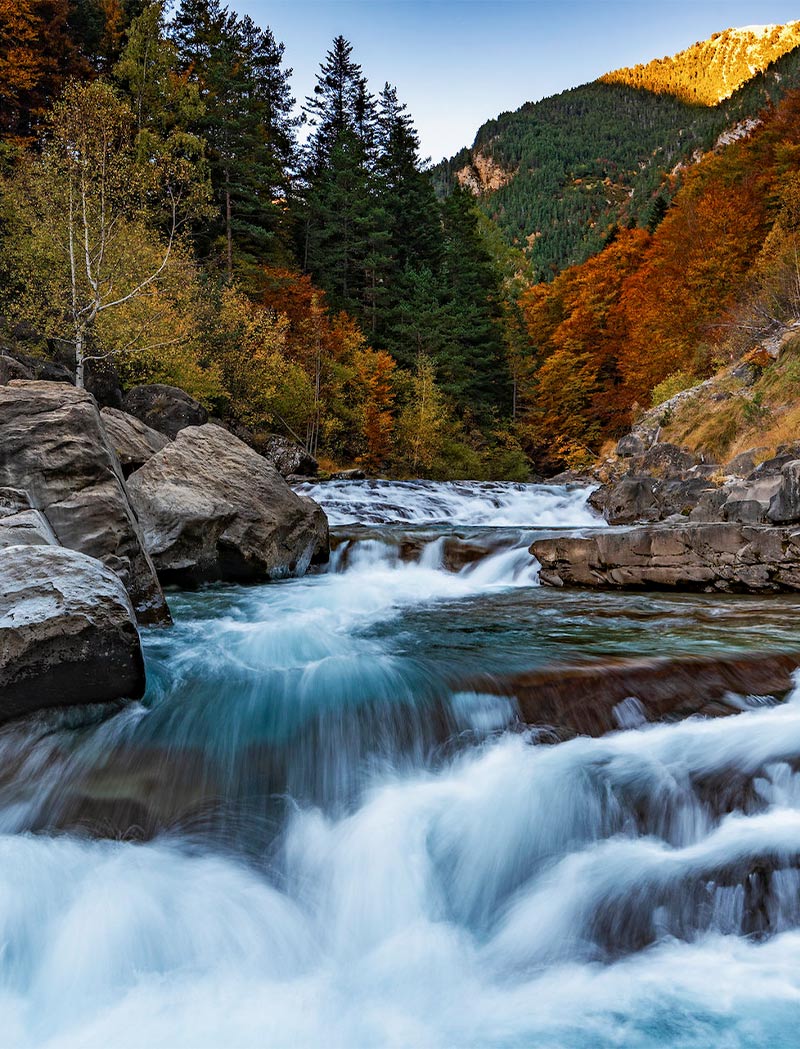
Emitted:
<point x="248" y="124"/>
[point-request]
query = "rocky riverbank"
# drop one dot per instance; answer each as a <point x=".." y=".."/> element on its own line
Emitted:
<point x="99" y="508"/>
<point x="689" y="524"/>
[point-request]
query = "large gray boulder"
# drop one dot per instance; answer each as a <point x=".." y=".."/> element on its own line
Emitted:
<point x="132" y="440"/>
<point x="54" y="448"/>
<point x="723" y="556"/>
<point x="785" y="504"/>
<point x="211" y="508"/>
<point x="67" y="632"/>
<point x="166" y="409"/>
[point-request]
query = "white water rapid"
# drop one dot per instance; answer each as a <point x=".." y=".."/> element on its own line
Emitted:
<point x="309" y="835"/>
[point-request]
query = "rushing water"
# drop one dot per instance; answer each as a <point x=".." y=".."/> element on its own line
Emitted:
<point x="313" y="833"/>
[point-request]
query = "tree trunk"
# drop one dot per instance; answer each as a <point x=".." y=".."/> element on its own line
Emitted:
<point x="80" y="363"/>
<point x="228" y="232"/>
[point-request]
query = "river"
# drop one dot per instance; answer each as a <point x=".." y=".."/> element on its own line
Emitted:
<point x="315" y="831"/>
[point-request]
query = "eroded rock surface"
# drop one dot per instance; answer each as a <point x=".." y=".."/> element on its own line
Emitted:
<point x="53" y="447"/>
<point x="211" y="508"/>
<point x="725" y="556"/>
<point x="608" y="695"/>
<point x="132" y="440"/>
<point x="67" y="632"/>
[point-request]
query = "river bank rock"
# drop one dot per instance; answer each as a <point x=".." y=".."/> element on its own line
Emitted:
<point x="67" y="632"/>
<point x="724" y="556"/>
<point x="287" y="456"/>
<point x="132" y="440"/>
<point x="211" y="508"/>
<point x="785" y="504"/>
<point x="54" y="448"/>
<point x="164" y="408"/>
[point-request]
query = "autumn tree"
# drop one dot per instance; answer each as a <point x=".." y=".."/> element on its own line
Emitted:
<point x="99" y="229"/>
<point x="374" y="373"/>
<point x="422" y="422"/>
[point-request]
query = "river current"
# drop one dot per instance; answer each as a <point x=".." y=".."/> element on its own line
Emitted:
<point x="316" y="831"/>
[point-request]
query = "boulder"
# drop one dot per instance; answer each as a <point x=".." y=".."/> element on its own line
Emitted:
<point x="723" y="556"/>
<point x="666" y="461"/>
<point x="772" y="467"/>
<point x="132" y="440"/>
<point x="629" y="445"/>
<point x="681" y="497"/>
<point x="11" y="368"/>
<point x="164" y="408"/>
<point x="287" y="456"/>
<point x="20" y="523"/>
<point x="53" y="447"/>
<point x="28" y="366"/>
<point x="103" y="382"/>
<point x="349" y="475"/>
<point x="743" y="464"/>
<point x="749" y="501"/>
<point x="631" y="499"/>
<point x="211" y="508"/>
<point x="67" y="632"/>
<point x="785" y="504"/>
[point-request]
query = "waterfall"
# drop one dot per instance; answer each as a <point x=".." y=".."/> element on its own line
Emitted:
<point x="311" y="832"/>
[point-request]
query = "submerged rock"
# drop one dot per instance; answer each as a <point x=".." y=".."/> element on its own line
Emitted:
<point x="164" y="408"/>
<point x="54" y="448"/>
<point x="608" y="695"/>
<point x="213" y="509"/>
<point x="67" y="632"/>
<point x="725" y="556"/>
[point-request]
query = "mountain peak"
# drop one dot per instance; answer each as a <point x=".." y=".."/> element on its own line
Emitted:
<point x="711" y="70"/>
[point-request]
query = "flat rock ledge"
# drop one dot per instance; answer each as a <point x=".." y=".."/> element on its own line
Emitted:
<point x="719" y="556"/>
<point x="67" y="632"/>
<point x="612" y="694"/>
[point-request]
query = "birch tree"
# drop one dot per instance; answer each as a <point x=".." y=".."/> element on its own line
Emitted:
<point x="99" y="230"/>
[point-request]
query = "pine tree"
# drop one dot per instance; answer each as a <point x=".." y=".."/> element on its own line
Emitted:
<point x="473" y="368"/>
<point x="342" y="221"/>
<point x="247" y="123"/>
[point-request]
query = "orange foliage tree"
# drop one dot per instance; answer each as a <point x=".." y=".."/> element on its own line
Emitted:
<point x="605" y="333"/>
<point x="374" y="370"/>
<point x="36" y="56"/>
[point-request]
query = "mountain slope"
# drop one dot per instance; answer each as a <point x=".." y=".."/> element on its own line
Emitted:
<point x="711" y="70"/>
<point x="557" y="176"/>
<point x="655" y="313"/>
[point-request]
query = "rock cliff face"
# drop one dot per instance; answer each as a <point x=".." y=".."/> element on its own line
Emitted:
<point x="483" y="174"/>
<point x="213" y="509"/>
<point x="67" y="632"/>
<point x="54" y="448"/>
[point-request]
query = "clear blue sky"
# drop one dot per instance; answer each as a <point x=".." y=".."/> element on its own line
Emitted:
<point x="458" y="63"/>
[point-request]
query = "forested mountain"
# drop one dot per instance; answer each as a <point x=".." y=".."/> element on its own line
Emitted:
<point x="654" y="313"/>
<point x="711" y="70"/>
<point x="560" y="175"/>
